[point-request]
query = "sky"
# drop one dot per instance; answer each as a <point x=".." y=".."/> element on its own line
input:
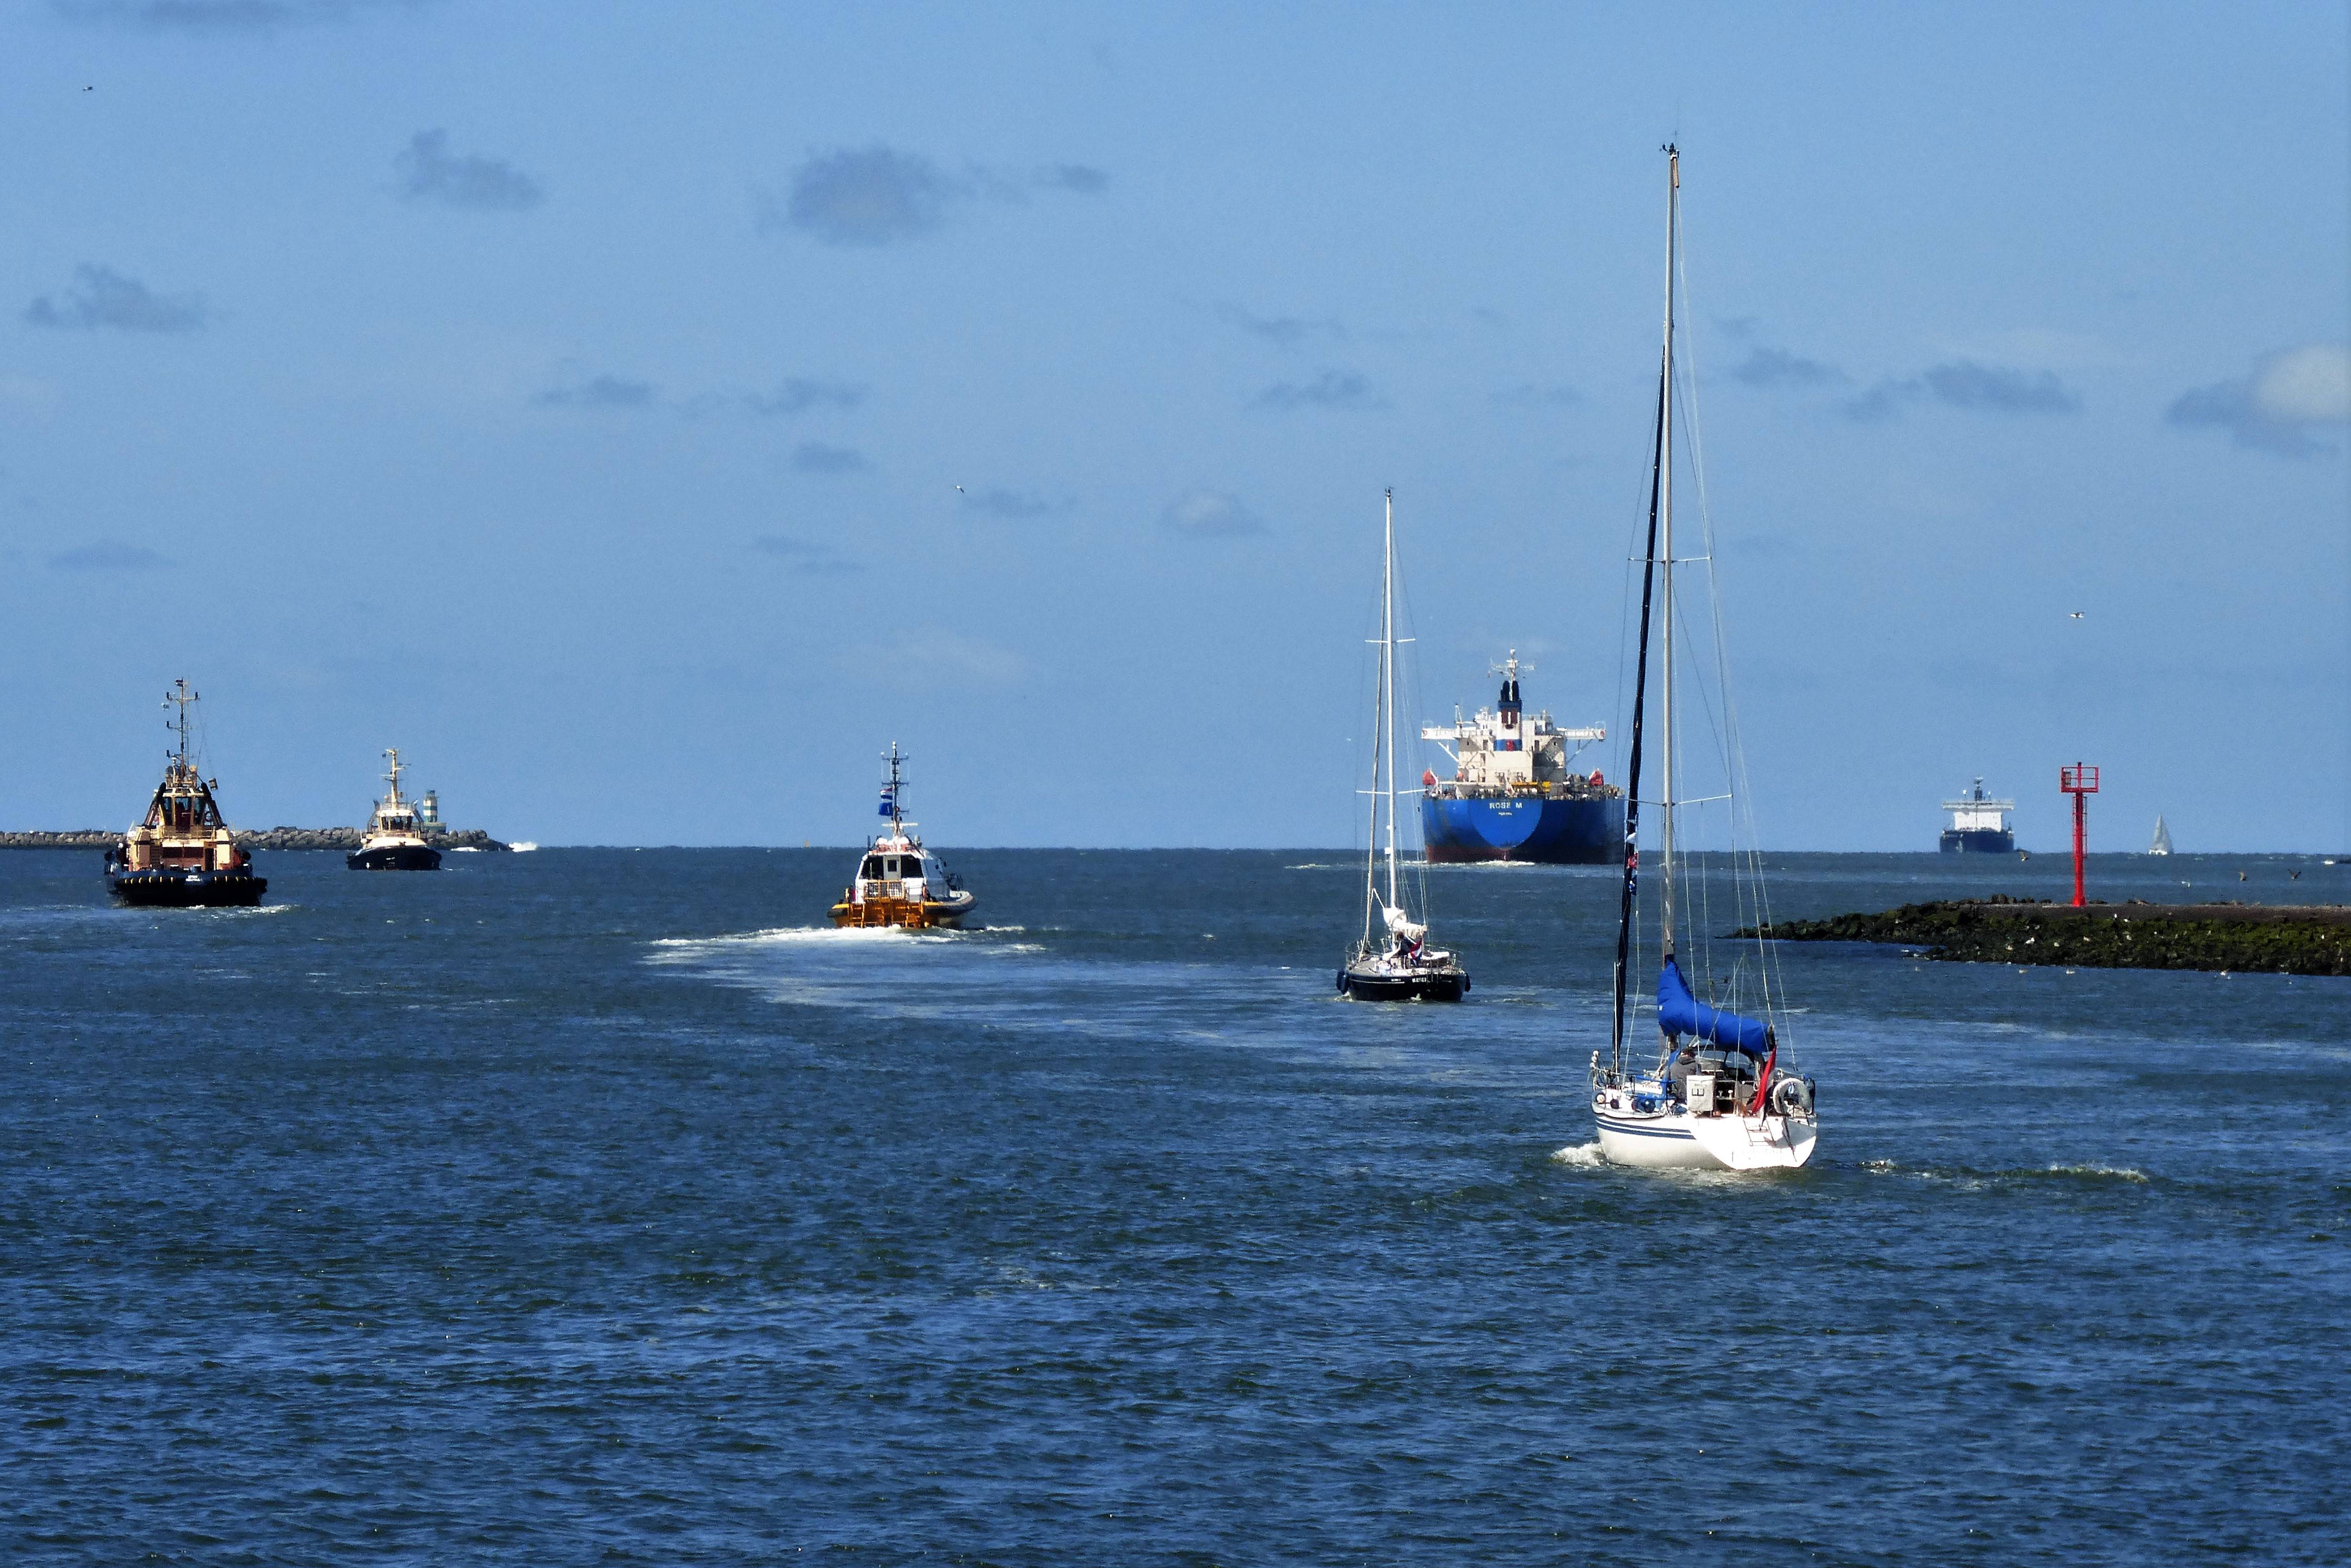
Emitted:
<point x="644" y="414"/>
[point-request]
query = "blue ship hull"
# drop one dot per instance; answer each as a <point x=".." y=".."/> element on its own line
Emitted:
<point x="1977" y="841"/>
<point x="1589" y="831"/>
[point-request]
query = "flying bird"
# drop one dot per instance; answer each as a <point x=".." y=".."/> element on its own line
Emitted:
<point x="2075" y="614"/>
<point x="958" y="490"/>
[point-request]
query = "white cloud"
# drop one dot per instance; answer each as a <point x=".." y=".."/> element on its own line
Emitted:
<point x="2275" y="408"/>
<point x="2308" y="385"/>
<point x="1210" y="515"/>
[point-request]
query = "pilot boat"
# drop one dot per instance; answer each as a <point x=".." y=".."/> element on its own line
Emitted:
<point x="182" y="855"/>
<point x="395" y="832"/>
<point x="898" y="882"/>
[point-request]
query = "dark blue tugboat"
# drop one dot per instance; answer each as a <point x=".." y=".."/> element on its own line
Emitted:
<point x="182" y="855"/>
<point x="394" y="840"/>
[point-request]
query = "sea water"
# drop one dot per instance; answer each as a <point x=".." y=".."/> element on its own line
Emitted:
<point x="603" y="1205"/>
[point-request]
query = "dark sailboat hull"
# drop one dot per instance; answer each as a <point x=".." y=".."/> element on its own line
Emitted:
<point x="395" y="857"/>
<point x="1440" y="986"/>
<point x="169" y="889"/>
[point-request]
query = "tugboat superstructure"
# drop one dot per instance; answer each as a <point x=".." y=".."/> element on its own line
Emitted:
<point x="182" y="855"/>
<point x="898" y="882"/>
<point x="395" y="831"/>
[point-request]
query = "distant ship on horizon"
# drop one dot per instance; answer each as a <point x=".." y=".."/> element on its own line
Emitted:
<point x="1979" y="824"/>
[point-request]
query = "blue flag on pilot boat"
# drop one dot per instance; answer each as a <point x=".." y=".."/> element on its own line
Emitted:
<point x="889" y="801"/>
<point x="1680" y="1013"/>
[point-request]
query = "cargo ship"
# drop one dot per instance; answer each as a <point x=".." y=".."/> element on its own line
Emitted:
<point x="182" y="855"/>
<point x="1515" y="794"/>
<point x="1979" y="824"/>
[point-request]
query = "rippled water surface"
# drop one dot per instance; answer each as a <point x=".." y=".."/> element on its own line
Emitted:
<point x="595" y="1205"/>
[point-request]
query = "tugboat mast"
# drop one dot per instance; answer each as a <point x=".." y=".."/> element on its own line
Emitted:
<point x="181" y="695"/>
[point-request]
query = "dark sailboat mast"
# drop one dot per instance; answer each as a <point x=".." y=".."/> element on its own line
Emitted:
<point x="1633" y="762"/>
<point x="1660" y="500"/>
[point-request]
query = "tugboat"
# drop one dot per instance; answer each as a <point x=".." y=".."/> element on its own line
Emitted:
<point x="1392" y="961"/>
<point x="182" y="855"/>
<point x="395" y="837"/>
<point x="900" y="883"/>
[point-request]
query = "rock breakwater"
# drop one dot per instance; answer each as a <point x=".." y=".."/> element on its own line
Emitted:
<point x="2249" y="938"/>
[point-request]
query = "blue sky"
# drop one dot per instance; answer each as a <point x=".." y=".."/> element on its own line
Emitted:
<point x="576" y="396"/>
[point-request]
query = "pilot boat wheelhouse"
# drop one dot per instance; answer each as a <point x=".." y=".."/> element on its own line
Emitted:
<point x="182" y="854"/>
<point x="898" y="882"/>
<point x="395" y="833"/>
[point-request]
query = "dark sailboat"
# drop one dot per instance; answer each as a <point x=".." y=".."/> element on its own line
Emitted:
<point x="1392" y="961"/>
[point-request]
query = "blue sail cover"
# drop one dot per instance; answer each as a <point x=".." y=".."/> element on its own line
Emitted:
<point x="1680" y="1013"/>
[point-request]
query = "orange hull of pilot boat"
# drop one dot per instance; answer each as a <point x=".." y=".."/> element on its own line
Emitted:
<point x="899" y="883"/>
<point x="917" y="914"/>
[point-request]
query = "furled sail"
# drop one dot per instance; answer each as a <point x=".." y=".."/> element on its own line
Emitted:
<point x="1680" y="1013"/>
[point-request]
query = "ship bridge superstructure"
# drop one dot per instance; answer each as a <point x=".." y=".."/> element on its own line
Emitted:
<point x="1504" y="749"/>
<point x="1980" y="824"/>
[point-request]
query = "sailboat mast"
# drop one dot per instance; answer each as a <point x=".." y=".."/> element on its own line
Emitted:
<point x="1372" y="839"/>
<point x="1666" y="562"/>
<point x="1388" y="682"/>
<point x="1633" y="760"/>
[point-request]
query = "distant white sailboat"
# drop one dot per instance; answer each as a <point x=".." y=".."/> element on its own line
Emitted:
<point x="2162" y="845"/>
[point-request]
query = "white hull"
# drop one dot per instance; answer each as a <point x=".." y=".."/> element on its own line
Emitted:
<point x="1674" y="1140"/>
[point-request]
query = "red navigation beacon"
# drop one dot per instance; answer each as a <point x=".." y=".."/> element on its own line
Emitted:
<point x="2081" y="781"/>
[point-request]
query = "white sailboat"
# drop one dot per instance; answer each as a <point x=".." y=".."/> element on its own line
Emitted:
<point x="1392" y="961"/>
<point x="1717" y="1093"/>
<point x="2162" y="845"/>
